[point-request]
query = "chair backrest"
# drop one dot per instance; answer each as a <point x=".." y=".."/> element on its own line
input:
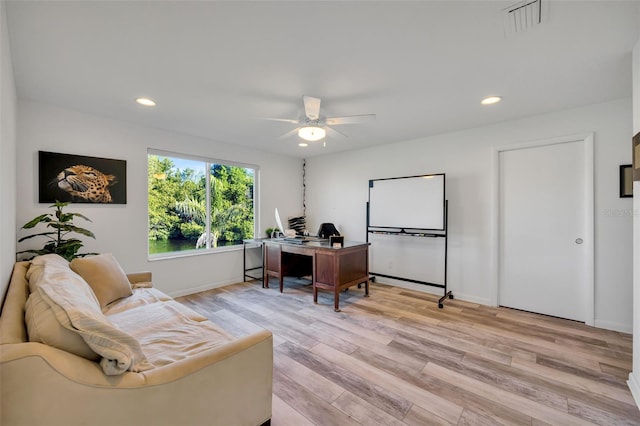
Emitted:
<point x="326" y="230"/>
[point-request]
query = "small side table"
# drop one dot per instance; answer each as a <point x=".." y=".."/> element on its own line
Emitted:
<point x="247" y="272"/>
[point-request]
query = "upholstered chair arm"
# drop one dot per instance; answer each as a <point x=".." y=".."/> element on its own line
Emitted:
<point x="140" y="279"/>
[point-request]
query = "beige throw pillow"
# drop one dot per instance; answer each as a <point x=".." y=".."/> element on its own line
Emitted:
<point x="104" y="275"/>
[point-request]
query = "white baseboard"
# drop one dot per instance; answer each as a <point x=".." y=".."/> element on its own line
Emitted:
<point x="205" y="287"/>
<point x="634" y="387"/>
<point x="615" y="326"/>
<point x="473" y="299"/>
<point x="433" y="290"/>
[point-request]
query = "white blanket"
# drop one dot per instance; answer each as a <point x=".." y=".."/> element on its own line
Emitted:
<point x="76" y="309"/>
<point x="119" y="351"/>
<point x="169" y="331"/>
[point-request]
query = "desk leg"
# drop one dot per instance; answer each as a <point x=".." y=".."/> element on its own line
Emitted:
<point x="314" y="274"/>
<point x="366" y="288"/>
<point x="265" y="266"/>
<point x="336" y="299"/>
<point x="281" y="269"/>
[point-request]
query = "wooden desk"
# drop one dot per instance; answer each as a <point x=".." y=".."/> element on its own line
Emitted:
<point x="333" y="269"/>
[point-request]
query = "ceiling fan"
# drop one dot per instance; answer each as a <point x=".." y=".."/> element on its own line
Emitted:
<point x="313" y="126"/>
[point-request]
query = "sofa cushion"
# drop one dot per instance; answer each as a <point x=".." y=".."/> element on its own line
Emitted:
<point x="141" y="296"/>
<point x="120" y="352"/>
<point x="76" y="309"/>
<point x="42" y="324"/>
<point x="52" y="268"/>
<point x="105" y="276"/>
<point x="44" y="327"/>
<point x="170" y="332"/>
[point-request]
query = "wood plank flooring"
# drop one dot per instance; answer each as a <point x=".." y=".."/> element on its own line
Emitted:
<point x="396" y="359"/>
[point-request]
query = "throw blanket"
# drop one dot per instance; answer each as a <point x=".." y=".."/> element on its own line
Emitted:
<point x="169" y="331"/>
<point x="119" y="351"/>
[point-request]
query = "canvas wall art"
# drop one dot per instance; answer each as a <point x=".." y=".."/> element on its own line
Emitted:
<point x="81" y="179"/>
<point x="626" y="181"/>
<point x="636" y="156"/>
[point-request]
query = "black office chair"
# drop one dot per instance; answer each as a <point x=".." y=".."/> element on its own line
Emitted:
<point x="327" y="230"/>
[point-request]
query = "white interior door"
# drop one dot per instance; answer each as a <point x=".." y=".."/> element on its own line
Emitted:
<point x="546" y="229"/>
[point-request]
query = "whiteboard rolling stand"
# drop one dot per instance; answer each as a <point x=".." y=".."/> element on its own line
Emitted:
<point x="415" y="231"/>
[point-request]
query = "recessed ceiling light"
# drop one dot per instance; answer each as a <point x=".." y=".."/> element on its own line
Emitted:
<point x="489" y="100"/>
<point x="146" y="102"/>
<point x="303" y="144"/>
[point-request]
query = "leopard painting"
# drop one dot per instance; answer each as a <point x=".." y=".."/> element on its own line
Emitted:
<point x="86" y="183"/>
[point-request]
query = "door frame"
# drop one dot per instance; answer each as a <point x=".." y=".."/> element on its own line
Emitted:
<point x="588" y="143"/>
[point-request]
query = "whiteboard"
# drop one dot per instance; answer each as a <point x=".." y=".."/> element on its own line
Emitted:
<point x="414" y="202"/>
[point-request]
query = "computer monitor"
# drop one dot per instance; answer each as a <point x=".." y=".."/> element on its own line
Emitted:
<point x="279" y="222"/>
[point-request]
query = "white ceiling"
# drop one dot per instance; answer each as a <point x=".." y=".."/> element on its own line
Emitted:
<point x="216" y="68"/>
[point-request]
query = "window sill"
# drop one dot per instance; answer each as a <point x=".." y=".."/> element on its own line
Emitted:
<point x="192" y="253"/>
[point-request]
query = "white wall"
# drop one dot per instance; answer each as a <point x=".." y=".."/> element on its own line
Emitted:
<point x="337" y="192"/>
<point x="122" y="229"/>
<point x="7" y="158"/>
<point x="634" y="377"/>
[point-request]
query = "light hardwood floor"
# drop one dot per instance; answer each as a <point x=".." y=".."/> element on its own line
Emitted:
<point x="396" y="359"/>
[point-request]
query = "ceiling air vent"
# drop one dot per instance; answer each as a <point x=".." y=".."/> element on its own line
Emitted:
<point x="522" y="16"/>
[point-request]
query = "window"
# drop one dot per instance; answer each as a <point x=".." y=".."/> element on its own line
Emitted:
<point x="198" y="204"/>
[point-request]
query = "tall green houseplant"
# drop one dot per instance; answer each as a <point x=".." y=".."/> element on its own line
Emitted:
<point x="61" y="225"/>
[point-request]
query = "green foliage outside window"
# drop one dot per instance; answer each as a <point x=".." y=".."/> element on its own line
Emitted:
<point x="178" y="204"/>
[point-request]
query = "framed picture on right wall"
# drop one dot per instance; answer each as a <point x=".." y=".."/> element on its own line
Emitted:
<point x="626" y="181"/>
<point x="636" y="157"/>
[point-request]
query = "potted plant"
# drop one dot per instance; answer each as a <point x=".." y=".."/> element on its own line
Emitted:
<point x="61" y="225"/>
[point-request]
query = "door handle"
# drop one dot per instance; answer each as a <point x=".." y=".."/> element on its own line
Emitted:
<point x="579" y="241"/>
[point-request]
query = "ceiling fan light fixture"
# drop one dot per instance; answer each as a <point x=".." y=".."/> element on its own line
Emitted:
<point x="490" y="100"/>
<point x="312" y="133"/>
<point x="146" y="102"/>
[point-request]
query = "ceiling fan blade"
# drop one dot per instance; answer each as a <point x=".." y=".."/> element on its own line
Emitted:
<point x="311" y="107"/>
<point x="283" y="120"/>
<point x="289" y="133"/>
<point x="351" y="119"/>
<point x="334" y="132"/>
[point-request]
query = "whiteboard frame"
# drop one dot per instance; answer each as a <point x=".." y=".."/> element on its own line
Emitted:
<point x="403" y="229"/>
